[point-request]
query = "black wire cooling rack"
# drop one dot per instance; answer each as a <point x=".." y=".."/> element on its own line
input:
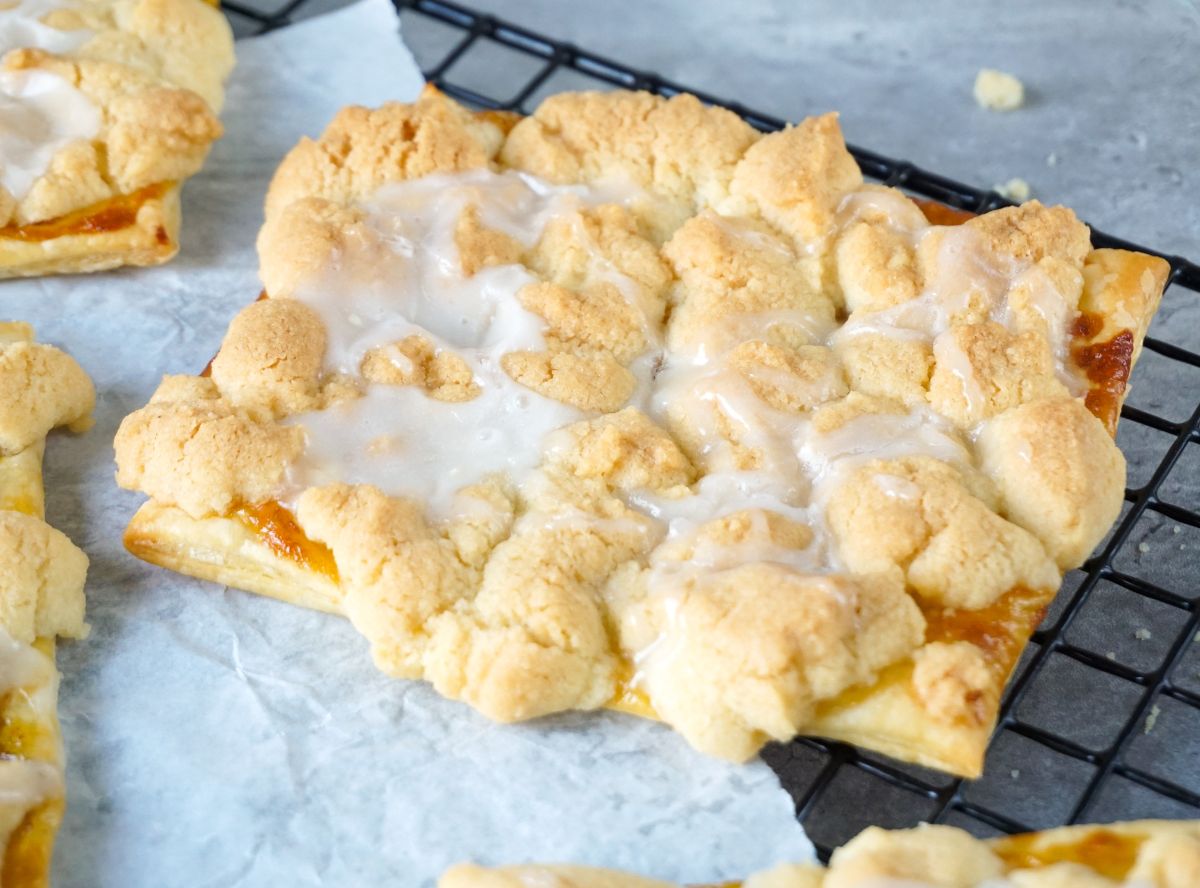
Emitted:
<point x="1102" y="718"/>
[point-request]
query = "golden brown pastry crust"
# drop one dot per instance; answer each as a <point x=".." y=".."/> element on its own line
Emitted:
<point x="41" y="591"/>
<point x="829" y="303"/>
<point x="155" y="71"/>
<point x="1149" y="853"/>
<point x="145" y="233"/>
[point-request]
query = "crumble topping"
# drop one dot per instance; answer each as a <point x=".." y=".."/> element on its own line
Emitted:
<point x="634" y="396"/>
<point x="41" y="388"/>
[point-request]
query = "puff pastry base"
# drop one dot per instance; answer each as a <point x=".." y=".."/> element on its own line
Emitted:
<point x="140" y="229"/>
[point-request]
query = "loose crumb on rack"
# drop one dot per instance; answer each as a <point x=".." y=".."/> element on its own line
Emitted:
<point x="1052" y="159"/>
<point x="1111" y="655"/>
<point x="1143" y="548"/>
<point x="998" y="91"/>
<point x="1142" y="634"/>
<point x="1152" y="719"/>
<point x="1016" y="773"/>
<point x="1015" y="189"/>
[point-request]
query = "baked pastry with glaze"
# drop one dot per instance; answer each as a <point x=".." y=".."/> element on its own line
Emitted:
<point x="41" y="597"/>
<point x="626" y="404"/>
<point x="1138" y="854"/>
<point x="107" y="106"/>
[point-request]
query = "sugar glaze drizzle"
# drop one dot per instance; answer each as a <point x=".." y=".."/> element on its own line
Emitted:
<point x="40" y="112"/>
<point x="406" y="443"/>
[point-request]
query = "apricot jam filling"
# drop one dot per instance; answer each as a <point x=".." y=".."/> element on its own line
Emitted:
<point x="629" y="697"/>
<point x="1107" y="366"/>
<point x="940" y="214"/>
<point x="113" y="214"/>
<point x="31" y="844"/>
<point x="1111" y="854"/>
<point x="277" y="527"/>
<point x="999" y="630"/>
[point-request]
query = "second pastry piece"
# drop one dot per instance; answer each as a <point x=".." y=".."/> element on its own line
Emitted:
<point x="1136" y="854"/>
<point x="563" y="413"/>
<point x="106" y="107"/>
<point x="41" y="599"/>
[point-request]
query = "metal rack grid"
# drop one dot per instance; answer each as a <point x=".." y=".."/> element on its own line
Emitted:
<point x="1130" y="684"/>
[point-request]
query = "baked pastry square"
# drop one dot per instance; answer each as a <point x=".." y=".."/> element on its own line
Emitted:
<point x="1145" y="853"/>
<point x="626" y="404"/>
<point x="41" y="597"/>
<point x="106" y="106"/>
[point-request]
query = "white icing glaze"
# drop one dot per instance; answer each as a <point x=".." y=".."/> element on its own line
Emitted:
<point x="799" y="467"/>
<point x="964" y="276"/>
<point x="717" y="339"/>
<point x="24" y="783"/>
<point x="966" y="279"/>
<point x="759" y="240"/>
<point x="899" y="213"/>
<point x="950" y="356"/>
<point x="1045" y="299"/>
<point x="21" y="665"/>
<point x="405" y="443"/>
<point x="21" y="27"/>
<point x="397" y="438"/>
<point x="725" y="493"/>
<point x="691" y="561"/>
<point x="829" y="457"/>
<point x="896" y="487"/>
<point x="40" y="114"/>
<point x="705" y="393"/>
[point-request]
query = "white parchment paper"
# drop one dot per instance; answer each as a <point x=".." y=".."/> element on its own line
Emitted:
<point x="219" y="739"/>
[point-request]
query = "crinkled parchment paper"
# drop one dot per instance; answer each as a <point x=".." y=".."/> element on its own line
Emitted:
<point x="219" y="739"/>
